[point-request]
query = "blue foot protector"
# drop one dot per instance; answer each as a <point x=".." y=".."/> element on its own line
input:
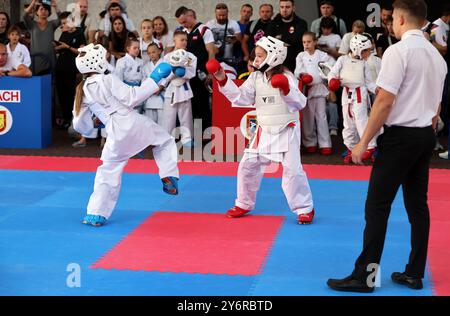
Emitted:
<point x="94" y="220"/>
<point x="170" y="185"/>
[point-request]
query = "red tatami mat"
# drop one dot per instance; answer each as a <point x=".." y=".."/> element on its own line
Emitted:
<point x="36" y="163"/>
<point x="196" y="243"/>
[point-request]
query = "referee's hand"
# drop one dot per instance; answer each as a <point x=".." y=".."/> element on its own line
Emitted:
<point x="357" y="153"/>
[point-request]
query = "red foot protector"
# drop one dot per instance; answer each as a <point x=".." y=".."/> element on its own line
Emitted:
<point x="196" y="243"/>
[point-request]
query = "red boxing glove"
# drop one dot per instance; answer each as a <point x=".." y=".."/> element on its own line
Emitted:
<point x="306" y="79"/>
<point x="213" y="66"/>
<point x="334" y="84"/>
<point x="281" y="82"/>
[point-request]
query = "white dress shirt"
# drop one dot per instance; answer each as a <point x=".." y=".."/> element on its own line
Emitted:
<point x="414" y="71"/>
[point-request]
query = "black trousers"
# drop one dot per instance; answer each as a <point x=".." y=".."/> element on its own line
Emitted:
<point x="201" y="107"/>
<point x="403" y="160"/>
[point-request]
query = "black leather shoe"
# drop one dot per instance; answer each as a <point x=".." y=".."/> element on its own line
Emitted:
<point x="403" y="279"/>
<point x="349" y="284"/>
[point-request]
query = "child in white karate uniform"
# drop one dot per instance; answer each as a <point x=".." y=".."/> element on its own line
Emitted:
<point x="153" y="107"/>
<point x="146" y="39"/>
<point x="112" y="101"/>
<point x="353" y="72"/>
<point x="177" y="99"/>
<point x="273" y="90"/>
<point x="314" y="117"/>
<point x="129" y="68"/>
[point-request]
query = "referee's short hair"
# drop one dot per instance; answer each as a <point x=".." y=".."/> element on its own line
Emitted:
<point x="417" y="9"/>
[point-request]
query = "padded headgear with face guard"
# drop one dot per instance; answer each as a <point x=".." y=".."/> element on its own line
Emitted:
<point x="276" y="53"/>
<point x="92" y="58"/>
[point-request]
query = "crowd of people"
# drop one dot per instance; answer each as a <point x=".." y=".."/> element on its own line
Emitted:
<point x="340" y="92"/>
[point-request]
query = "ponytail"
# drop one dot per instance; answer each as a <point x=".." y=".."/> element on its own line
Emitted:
<point x="79" y="97"/>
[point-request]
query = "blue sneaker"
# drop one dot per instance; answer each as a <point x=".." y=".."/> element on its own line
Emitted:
<point x="94" y="220"/>
<point x="170" y="185"/>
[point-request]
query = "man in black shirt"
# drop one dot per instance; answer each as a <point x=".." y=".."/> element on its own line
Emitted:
<point x="258" y="28"/>
<point x="289" y="28"/>
<point x="201" y="44"/>
<point x="377" y="30"/>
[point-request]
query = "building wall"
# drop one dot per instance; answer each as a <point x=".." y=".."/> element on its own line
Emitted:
<point x="5" y="5"/>
<point x="140" y="9"/>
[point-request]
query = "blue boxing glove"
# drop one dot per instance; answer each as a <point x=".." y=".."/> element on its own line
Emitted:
<point x="162" y="71"/>
<point x="179" y="71"/>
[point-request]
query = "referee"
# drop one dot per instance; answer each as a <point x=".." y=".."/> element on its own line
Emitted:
<point x="411" y="82"/>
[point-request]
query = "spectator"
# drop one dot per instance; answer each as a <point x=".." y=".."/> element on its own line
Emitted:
<point x="358" y="27"/>
<point x="153" y="107"/>
<point x="114" y="10"/>
<point x="315" y="133"/>
<point x="25" y="36"/>
<point x="289" y="28"/>
<point x="377" y="30"/>
<point x="328" y="41"/>
<point x="66" y="71"/>
<point x="162" y="34"/>
<point x="147" y="38"/>
<point x="426" y="29"/>
<point x="250" y="68"/>
<point x="439" y="38"/>
<point x="17" y="50"/>
<point x="42" y="34"/>
<point x="327" y="10"/>
<point x="178" y="95"/>
<point x="4" y="27"/>
<point x="11" y="67"/>
<point x="440" y="30"/>
<point x="118" y="37"/>
<point x="258" y="28"/>
<point x="81" y="18"/>
<point x="226" y="34"/>
<point x="201" y="44"/>
<point x="387" y="39"/>
<point x="242" y="51"/>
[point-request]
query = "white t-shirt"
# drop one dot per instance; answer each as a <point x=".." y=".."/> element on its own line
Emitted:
<point x="21" y="54"/>
<point x="218" y="31"/>
<point x="332" y="41"/>
<point x="439" y="32"/>
<point x="344" y="49"/>
<point x="414" y="71"/>
<point x="11" y="64"/>
<point x="167" y="40"/>
<point x="208" y="36"/>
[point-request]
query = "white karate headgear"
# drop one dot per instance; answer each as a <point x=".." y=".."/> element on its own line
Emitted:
<point x="358" y="44"/>
<point x="276" y="52"/>
<point x="92" y="58"/>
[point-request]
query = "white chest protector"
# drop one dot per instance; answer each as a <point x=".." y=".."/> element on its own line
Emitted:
<point x="352" y="73"/>
<point x="273" y="114"/>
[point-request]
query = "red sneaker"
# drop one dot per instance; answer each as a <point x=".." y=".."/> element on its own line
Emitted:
<point x="236" y="212"/>
<point x="306" y="219"/>
<point x="367" y="155"/>
<point x="326" y="151"/>
<point x="348" y="159"/>
<point x="311" y="150"/>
